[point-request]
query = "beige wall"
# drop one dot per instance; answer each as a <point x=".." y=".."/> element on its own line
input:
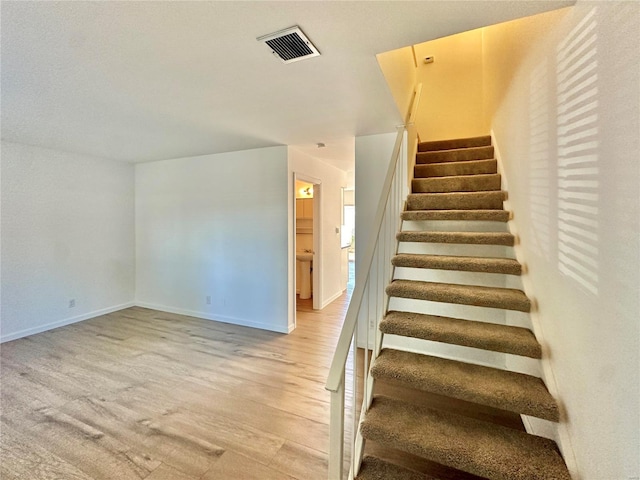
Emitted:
<point x="399" y="69"/>
<point x="452" y="87"/>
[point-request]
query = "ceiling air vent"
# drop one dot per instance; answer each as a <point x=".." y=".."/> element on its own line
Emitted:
<point x="290" y="45"/>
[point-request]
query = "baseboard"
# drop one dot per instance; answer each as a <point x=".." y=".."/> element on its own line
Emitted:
<point x="563" y="437"/>
<point x="331" y="299"/>
<point x="214" y="317"/>
<point x="61" y="323"/>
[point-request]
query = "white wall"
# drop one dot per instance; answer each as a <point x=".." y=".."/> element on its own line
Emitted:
<point x="332" y="180"/>
<point x="215" y="225"/>
<point x="567" y="123"/>
<point x="67" y="233"/>
<point x="373" y="155"/>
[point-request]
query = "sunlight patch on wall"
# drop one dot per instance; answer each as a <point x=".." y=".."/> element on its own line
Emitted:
<point x="539" y="159"/>
<point x="577" y="93"/>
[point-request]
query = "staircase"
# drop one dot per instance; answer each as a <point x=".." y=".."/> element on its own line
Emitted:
<point x="457" y="181"/>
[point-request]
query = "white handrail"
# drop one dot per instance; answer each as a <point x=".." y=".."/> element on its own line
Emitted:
<point x="393" y="194"/>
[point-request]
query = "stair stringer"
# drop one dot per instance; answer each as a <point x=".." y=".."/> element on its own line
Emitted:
<point x="558" y="432"/>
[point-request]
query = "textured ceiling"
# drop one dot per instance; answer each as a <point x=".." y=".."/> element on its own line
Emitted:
<point x="141" y="81"/>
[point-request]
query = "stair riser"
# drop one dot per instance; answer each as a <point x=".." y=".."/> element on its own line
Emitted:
<point x="456" y="201"/>
<point x="459" y="249"/>
<point x="470" y="183"/>
<point x="456" y="168"/>
<point x="483" y="141"/>
<point x="461" y="155"/>
<point x="450" y="276"/>
<point x="482" y="314"/>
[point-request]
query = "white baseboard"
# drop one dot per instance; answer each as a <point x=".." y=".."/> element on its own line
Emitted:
<point x="215" y="317"/>
<point x="66" y="321"/>
<point x="332" y="298"/>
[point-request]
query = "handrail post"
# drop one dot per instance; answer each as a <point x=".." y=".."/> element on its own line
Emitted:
<point x="336" y="432"/>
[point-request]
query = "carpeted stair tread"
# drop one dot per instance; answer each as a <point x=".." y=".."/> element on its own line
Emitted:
<point x="469" y="238"/>
<point x="456" y="201"/>
<point x="515" y="392"/>
<point x="507" y="266"/>
<point x="469" y="333"/>
<point x="470" y="167"/>
<point x="374" y="468"/>
<point x="455" y="155"/>
<point x="477" y="215"/>
<point x="493" y="297"/>
<point x="457" y="183"/>
<point x="482" y="141"/>
<point x="481" y="448"/>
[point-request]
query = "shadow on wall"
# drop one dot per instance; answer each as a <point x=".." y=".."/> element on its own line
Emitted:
<point x="576" y="76"/>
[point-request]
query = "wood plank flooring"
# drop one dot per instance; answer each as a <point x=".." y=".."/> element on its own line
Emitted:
<point x="142" y="394"/>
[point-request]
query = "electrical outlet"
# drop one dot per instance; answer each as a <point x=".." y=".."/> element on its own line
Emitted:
<point x="72" y="303"/>
<point x="208" y="299"/>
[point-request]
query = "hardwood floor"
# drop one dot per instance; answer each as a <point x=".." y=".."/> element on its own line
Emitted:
<point x="142" y="394"/>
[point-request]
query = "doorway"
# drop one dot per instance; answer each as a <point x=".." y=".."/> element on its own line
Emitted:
<point x="307" y="243"/>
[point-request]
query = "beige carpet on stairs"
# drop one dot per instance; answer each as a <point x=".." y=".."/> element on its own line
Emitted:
<point x="493" y="297"/>
<point x="497" y="388"/>
<point x="476" y="215"/>
<point x="455" y="155"/>
<point x="470" y="445"/>
<point x="484" y="335"/>
<point x="478" y="238"/>
<point x="459" y="183"/>
<point x="456" y="168"/>
<point x="457" y="180"/>
<point x="507" y="266"/>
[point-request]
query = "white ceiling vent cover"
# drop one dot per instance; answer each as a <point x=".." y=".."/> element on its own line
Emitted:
<point x="290" y="45"/>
